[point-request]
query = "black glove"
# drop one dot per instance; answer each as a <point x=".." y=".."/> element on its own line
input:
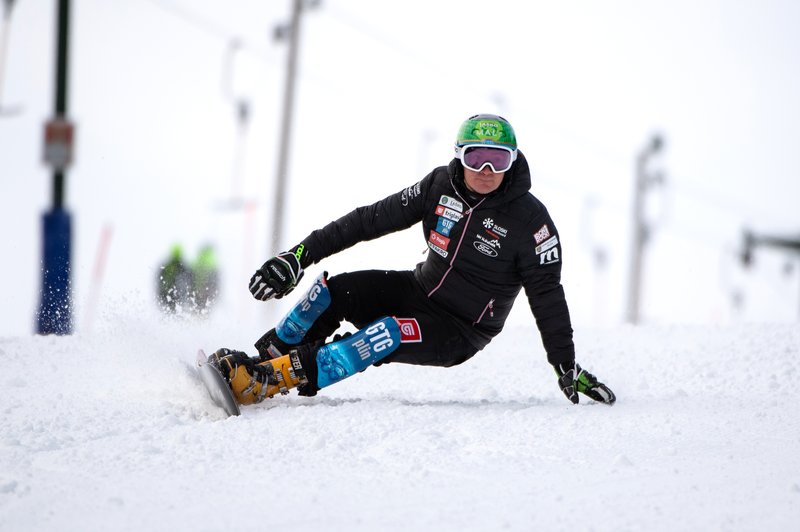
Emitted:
<point x="278" y="276"/>
<point x="271" y="346"/>
<point x="573" y="379"/>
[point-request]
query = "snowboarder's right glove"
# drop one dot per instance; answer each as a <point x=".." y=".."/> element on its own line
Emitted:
<point x="278" y="276"/>
<point x="573" y="379"/>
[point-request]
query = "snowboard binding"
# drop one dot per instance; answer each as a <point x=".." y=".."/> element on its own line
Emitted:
<point x="252" y="379"/>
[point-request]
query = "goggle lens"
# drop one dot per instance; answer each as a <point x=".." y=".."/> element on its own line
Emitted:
<point x="476" y="157"/>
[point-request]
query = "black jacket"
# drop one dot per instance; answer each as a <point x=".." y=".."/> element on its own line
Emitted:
<point x="482" y="251"/>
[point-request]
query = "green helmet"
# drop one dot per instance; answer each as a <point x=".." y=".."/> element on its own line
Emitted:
<point x="489" y="130"/>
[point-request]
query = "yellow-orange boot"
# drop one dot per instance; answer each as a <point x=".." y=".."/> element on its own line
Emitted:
<point x="254" y="379"/>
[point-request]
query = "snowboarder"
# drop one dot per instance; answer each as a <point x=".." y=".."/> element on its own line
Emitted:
<point x="205" y="279"/>
<point x="174" y="282"/>
<point x="488" y="238"/>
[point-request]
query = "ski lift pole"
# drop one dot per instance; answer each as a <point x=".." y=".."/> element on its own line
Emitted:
<point x="5" y="29"/>
<point x="55" y="308"/>
<point x="641" y="230"/>
<point x="292" y="33"/>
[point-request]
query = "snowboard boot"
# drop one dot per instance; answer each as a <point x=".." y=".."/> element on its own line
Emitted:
<point x="254" y="379"/>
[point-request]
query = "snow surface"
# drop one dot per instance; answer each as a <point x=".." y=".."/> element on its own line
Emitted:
<point x="111" y="430"/>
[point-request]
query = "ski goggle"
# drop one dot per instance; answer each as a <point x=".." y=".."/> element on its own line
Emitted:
<point x="499" y="158"/>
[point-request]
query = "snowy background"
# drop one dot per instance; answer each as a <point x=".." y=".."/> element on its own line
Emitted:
<point x="381" y="90"/>
<point x="115" y="432"/>
<point x="110" y="429"/>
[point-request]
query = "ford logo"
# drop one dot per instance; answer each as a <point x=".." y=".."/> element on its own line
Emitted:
<point x="485" y="249"/>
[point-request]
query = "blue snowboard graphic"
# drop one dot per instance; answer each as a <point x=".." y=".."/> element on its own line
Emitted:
<point x="348" y="356"/>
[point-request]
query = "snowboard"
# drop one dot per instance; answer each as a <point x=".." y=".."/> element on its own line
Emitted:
<point x="217" y="388"/>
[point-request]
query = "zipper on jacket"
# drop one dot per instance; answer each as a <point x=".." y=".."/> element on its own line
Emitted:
<point x="490" y="307"/>
<point x="458" y="247"/>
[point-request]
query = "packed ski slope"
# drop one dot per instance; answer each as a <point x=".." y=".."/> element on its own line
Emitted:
<point x="111" y="430"/>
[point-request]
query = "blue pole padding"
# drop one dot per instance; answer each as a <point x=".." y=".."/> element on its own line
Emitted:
<point x="55" y="308"/>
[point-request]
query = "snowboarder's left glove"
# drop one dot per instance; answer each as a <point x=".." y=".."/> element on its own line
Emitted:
<point x="573" y="379"/>
<point x="278" y="276"/>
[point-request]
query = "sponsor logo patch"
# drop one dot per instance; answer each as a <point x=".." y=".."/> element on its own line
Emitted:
<point x="450" y="214"/>
<point x="439" y="240"/>
<point x="546" y="245"/>
<point x="493" y="228"/>
<point x="437" y="249"/>
<point x="410" y="331"/>
<point x="541" y="235"/>
<point x="409" y="194"/>
<point x="452" y="203"/>
<point x="485" y="248"/>
<point x="549" y="257"/>
<point x="495" y="243"/>
<point x="444" y="225"/>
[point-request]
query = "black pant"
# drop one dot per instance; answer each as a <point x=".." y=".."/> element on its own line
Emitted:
<point x="365" y="296"/>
